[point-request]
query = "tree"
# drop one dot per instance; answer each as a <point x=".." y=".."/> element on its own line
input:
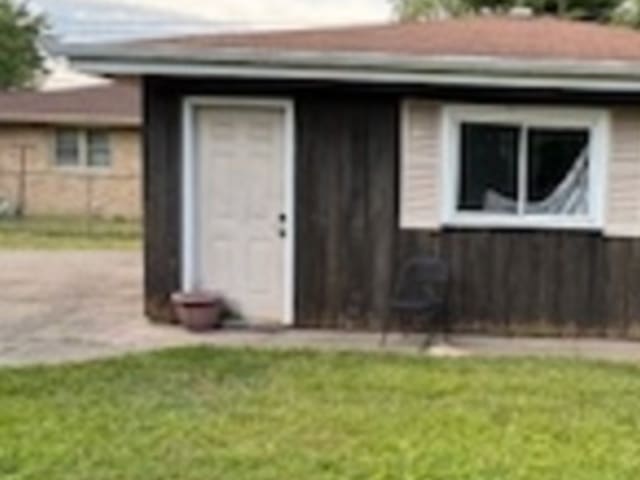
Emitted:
<point x="593" y="10"/>
<point x="20" y="58"/>
<point x="628" y="13"/>
<point x="419" y="9"/>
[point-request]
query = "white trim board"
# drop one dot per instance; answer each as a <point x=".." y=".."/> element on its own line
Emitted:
<point x="190" y="275"/>
<point x="585" y="82"/>
<point x="367" y="66"/>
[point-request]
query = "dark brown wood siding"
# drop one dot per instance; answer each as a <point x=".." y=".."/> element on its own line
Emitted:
<point x="567" y="283"/>
<point x="348" y="245"/>
<point x="161" y="198"/>
<point x="346" y="209"/>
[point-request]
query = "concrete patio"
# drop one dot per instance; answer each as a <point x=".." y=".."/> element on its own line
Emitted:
<point x="56" y="346"/>
<point x="74" y="306"/>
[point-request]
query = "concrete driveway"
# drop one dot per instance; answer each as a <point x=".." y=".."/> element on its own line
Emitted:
<point x="60" y="306"/>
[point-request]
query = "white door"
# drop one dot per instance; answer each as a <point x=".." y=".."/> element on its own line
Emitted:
<point x="240" y="173"/>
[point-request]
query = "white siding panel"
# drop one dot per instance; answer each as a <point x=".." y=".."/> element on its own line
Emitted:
<point x="623" y="212"/>
<point x="420" y="179"/>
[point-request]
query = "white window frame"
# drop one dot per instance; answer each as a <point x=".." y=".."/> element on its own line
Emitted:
<point x="597" y="121"/>
<point x="82" y="139"/>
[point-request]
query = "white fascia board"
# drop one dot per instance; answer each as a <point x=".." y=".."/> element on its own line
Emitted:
<point x="365" y="76"/>
<point x="365" y="67"/>
<point x="308" y="58"/>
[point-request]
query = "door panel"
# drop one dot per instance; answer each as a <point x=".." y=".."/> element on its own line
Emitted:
<point x="240" y="157"/>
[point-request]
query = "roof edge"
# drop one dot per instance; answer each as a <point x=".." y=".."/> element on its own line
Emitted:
<point x="341" y="59"/>
<point x="7" y="118"/>
<point x="364" y="67"/>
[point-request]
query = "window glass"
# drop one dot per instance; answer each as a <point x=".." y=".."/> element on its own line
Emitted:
<point x="98" y="149"/>
<point x="67" y="148"/>
<point x="489" y="168"/>
<point x="558" y="172"/>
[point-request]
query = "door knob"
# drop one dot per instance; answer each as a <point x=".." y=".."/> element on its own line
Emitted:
<point x="282" y="217"/>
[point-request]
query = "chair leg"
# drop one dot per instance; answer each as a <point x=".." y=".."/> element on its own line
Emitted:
<point x="407" y="323"/>
<point x="428" y="341"/>
<point x="383" y="337"/>
<point x="444" y="316"/>
<point x="430" y="335"/>
<point x="445" y="328"/>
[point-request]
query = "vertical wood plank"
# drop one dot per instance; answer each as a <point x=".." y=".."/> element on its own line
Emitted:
<point x="383" y="145"/>
<point x="161" y="167"/>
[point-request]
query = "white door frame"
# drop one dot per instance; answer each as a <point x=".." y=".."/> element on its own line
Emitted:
<point x="190" y="270"/>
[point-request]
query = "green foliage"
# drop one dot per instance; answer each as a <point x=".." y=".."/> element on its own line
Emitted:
<point x="416" y="9"/>
<point x="202" y="414"/>
<point x="628" y="13"/>
<point x="597" y="10"/>
<point x="20" y="59"/>
<point x="594" y="10"/>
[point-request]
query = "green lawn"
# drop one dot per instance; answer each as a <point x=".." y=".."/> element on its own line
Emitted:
<point x="69" y="233"/>
<point x="218" y="414"/>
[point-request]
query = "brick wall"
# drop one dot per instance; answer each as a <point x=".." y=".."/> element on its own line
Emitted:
<point x="52" y="190"/>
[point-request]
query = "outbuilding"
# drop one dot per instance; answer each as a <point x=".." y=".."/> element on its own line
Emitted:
<point x="295" y="171"/>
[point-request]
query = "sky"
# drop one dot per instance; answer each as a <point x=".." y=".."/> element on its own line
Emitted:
<point x="100" y="20"/>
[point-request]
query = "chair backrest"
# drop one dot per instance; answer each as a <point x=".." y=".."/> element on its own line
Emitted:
<point x="422" y="278"/>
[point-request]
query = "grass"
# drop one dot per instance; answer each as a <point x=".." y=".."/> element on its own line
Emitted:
<point x="218" y="414"/>
<point x="69" y="233"/>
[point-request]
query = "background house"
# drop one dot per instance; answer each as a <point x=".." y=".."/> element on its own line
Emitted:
<point x="72" y="152"/>
<point x="297" y="171"/>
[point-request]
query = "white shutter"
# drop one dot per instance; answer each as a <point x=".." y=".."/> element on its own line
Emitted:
<point x="623" y="205"/>
<point x="420" y="178"/>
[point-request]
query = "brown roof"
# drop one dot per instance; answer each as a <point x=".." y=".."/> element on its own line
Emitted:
<point x="113" y="104"/>
<point x="497" y="36"/>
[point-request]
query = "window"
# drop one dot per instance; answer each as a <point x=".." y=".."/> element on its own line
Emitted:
<point x="525" y="167"/>
<point x="488" y="168"/>
<point x="557" y="172"/>
<point x="99" y="153"/>
<point x="82" y="148"/>
<point x="67" y="148"/>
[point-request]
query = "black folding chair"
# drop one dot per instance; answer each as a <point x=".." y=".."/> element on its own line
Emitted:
<point x="421" y="291"/>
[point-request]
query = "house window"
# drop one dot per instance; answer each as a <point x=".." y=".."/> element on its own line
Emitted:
<point x="82" y="148"/>
<point x="525" y="167"/>
<point x="98" y="149"/>
<point x="67" y="148"/>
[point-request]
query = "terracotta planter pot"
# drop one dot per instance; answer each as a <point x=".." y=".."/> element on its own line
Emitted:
<point x="198" y="311"/>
